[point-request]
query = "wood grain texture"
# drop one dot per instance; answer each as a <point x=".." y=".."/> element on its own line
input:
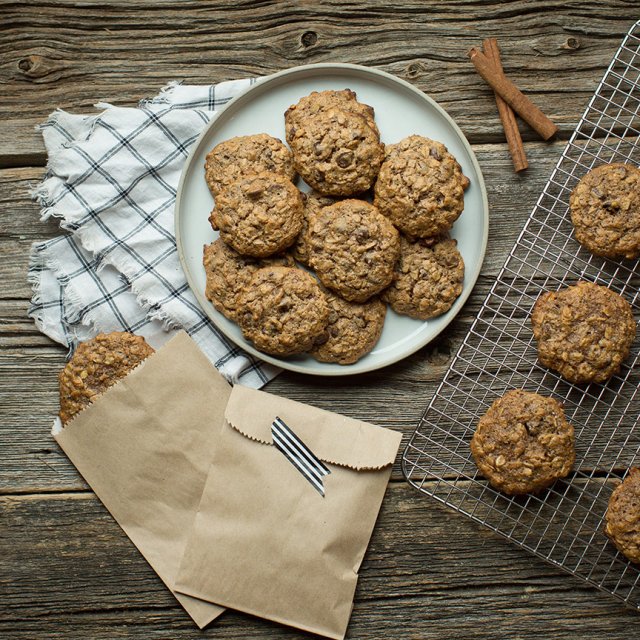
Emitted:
<point x="67" y="570"/>
<point x="70" y="55"/>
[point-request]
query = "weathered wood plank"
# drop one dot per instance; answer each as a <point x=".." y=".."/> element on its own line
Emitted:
<point x="556" y="55"/>
<point x="68" y="571"/>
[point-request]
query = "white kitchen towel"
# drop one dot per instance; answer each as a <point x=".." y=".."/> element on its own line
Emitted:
<point x="111" y="180"/>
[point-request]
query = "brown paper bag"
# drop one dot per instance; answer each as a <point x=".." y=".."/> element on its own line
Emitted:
<point x="145" y="446"/>
<point x="264" y="540"/>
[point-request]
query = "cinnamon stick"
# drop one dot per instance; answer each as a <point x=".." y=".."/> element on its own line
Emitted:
<point x="513" y="96"/>
<point x="508" y="118"/>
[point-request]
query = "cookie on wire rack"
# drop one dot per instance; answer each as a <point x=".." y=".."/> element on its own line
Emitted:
<point x="584" y="332"/>
<point x="605" y="211"/>
<point x="523" y="443"/>
<point x="623" y="516"/>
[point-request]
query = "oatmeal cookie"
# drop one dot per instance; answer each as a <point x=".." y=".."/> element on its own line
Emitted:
<point x="337" y="153"/>
<point x="283" y="311"/>
<point x="584" y="332"/>
<point x="420" y="187"/>
<point x="605" y="211"/>
<point x="353" y="249"/>
<point x="95" y="366"/>
<point x="523" y="443"/>
<point x="623" y="516"/>
<point x="313" y="202"/>
<point x="242" y="156"/>
<point x="308" y="107"/>
<point x="353" y="330"/>
<point x="259" y="215"/>
<point x="428" y="278"/>
<point x="228" y="274"/>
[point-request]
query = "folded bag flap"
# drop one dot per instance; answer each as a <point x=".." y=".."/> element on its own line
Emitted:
<point x="333" y="438"/>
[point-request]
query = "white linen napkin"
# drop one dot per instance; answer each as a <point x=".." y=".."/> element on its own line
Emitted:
<point x="112" y="179"/>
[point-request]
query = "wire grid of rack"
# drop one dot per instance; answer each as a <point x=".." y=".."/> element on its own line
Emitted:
<point x="563" y="524"/>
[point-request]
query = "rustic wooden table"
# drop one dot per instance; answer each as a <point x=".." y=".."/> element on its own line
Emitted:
<point x="66" y="569"/>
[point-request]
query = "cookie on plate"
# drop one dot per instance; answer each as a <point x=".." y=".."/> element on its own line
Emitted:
<point x="259" y="215"/>
<point x="308" y="107"/>
<point x="605" y="211"/>
<point x="584" y="331"/>
<point x="313" y="202"/>
<point x="623" y="516"/>
<point x="337" y="153"/>
<point x="523" y="443"/>
<point x="242" y="156"/>
<point x="353" y="249"/>
<point x="428" y="278"/>
<point x="283" y="311"/>
<point x="228" y="274"/>
<point x="420" y="187"/>
<point x="96" y="365"/>
<point x="353" y="330"/>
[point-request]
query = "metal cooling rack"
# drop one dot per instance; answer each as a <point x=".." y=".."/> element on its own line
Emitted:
<point x="564" y="524"/>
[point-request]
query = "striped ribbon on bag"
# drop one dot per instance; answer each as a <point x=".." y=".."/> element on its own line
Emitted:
<point x="300" y="456"/>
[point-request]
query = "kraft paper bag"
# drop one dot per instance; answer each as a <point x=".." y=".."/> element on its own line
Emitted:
<point x="145" y="447"/>
<point x="265" y="541"/>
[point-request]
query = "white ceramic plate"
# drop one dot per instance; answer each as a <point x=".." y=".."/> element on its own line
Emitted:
<point x="400" y="110"/>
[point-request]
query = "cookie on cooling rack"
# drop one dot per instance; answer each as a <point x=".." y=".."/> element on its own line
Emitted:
<point x="428" y="278"/>
<point x="623" y="516"/>
<point x="420" y="187"/>
<point x="228" y="274"/>
<point x="241" y="156"/>
<point x="605" y="211"/>
<point x="283" y="311"/>
<point x="96" y="365"/>
<point x="259" y="215"/>
<point x="353" y="249"/>
<point x="337" y="153"/>
<point x="523" y="443"/>
<point x="352" y="331"/>
<point x="584" y="332"/>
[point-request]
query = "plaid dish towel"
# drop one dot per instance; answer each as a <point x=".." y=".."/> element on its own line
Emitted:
<point x="112" y="180"/>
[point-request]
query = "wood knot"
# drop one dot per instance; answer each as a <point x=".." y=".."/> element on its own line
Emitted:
<point x="571" y="44"/>
<point x="414" y="69"/>
<point x="309" y="38"/>
<point x="35" y="66"/>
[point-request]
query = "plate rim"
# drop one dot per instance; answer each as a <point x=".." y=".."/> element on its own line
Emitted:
<point x="352" y="369"/>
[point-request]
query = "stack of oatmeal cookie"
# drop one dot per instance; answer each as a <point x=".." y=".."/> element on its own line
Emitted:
<point x="374" y="230"/>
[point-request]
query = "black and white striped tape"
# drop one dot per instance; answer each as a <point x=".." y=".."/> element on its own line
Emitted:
<point x="300" y="456"/>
